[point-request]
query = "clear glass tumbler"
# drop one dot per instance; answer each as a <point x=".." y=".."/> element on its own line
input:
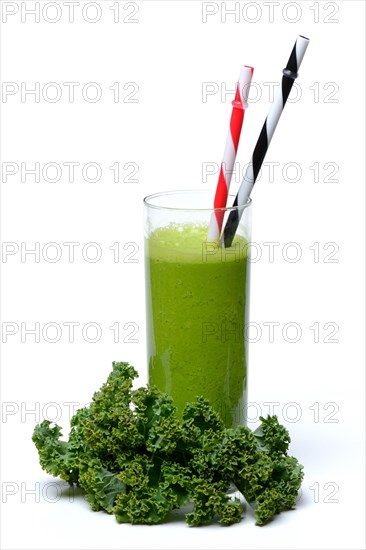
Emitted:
<point x="197" y="302"/>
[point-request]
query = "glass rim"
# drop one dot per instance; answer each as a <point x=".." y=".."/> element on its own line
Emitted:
<point x="192" y="208"/>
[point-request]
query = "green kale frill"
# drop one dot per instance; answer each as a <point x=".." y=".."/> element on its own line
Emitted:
<point x="133" y="456"/>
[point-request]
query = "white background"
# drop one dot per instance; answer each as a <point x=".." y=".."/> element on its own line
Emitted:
<point x="169" y="130"/>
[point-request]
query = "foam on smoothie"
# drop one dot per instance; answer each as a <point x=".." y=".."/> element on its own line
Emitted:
<point x="188" y="243"/>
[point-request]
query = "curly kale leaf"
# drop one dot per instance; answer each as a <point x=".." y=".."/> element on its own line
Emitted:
<point x="57" y="457"/>
<point x="133" y="456"/>
<point x="278" y="489"/>
<point x="154" y="487"/>
<point x="281" y="492"/>
<point x="271" y="436"/>
<point x="156" y="420"/>
<point x="110" y="427"/>
<point x="101" y="487"/>
<point x="74" y="462"/>
<point x="210" y="499"/>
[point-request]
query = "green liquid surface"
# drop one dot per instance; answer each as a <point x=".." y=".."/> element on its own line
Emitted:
<point x="197" y="306"/>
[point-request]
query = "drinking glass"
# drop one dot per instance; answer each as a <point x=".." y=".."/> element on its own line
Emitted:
<point x="197" y="302"/>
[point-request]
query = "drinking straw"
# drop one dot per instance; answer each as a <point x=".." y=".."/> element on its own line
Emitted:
<point x="239" y="104"/>
<point x="269" y="126"/>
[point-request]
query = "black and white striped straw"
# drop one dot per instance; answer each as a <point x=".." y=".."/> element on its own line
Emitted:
<point x="269" y="126"/>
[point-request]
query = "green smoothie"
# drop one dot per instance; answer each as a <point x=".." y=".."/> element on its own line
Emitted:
<point x="196" y="294"/>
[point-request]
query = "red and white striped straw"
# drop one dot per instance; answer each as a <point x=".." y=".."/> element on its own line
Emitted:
<point x="240" y="103"/>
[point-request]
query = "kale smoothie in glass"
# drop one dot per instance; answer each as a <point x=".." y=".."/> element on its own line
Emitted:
<point x="197" y="298"/>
